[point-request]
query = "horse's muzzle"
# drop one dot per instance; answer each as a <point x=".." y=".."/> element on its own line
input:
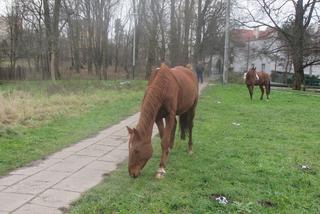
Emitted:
<point x="134" y="173"/>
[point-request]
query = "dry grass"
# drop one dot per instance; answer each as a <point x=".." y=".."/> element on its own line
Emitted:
<point x="24" y="108"/>
<point x="31" y="107"/>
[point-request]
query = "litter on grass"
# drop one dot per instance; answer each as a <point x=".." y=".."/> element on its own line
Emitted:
<point x="220" y="199"/>
<point x="305" y="167"/>
<point x="236" y="124"/>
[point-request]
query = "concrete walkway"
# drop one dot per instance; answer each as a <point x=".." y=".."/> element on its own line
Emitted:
<point x="49" y="186"/>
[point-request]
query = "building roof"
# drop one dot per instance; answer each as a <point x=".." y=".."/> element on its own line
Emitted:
<point x="246" y="35"/>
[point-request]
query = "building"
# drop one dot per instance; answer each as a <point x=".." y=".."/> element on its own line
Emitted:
<point x="260" y="48"/>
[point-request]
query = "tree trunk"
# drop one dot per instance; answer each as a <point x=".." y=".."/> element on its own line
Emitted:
<point x="47" y="23"/>
<point x="198" y="33"/>
<point x="187" y="25"/>
<point x="55" y="41"/>
<point x="173" y="37"/>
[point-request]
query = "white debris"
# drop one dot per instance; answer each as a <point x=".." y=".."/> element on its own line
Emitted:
<point x="236" y="124"/>
<point x="218" y="102"/>
<point x="125" y="83"/>
<point x="306" y="167"/>
<point x="222" y="200"/>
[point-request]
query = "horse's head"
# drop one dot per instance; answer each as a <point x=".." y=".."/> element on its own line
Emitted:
<point x="251" y="76"/>
<point x="140" y="151"/>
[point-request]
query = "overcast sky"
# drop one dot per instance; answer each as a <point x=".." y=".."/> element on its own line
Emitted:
<point x="3" y="4"/>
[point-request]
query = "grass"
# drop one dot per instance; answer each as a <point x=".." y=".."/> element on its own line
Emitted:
<point x="256" y="165"/>
<point x="39" y="118"/>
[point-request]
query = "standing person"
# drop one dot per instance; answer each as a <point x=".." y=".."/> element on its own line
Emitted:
<point x="200" y="70"/>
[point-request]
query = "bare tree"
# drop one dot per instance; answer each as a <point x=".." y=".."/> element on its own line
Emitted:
<point x="292" y="28"/>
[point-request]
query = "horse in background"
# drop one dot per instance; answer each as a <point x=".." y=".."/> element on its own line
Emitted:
<point x="170" y="92"/>
<point x="260" y="78"/>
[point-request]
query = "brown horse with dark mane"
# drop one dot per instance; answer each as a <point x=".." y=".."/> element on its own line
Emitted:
<point x="170" y="92"/>
<point x="261" y="78"/>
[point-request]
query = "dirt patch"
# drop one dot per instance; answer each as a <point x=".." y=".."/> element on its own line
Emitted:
<point x="267" y="203"/>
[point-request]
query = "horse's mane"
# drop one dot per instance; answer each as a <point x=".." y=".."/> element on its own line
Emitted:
<point x="153" y="98"/>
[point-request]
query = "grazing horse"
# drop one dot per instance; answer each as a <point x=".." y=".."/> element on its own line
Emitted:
<point x="170" y="92"/>
<point x="261" y="78"/>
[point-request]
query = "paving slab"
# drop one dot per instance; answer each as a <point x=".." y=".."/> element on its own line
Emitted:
<point x="111" y="142"/>
<point x="27" y="170"/>
<point x="62" y="154"/>
<point x="11" y="179"/>
<point x="103" y="166"/>
<point x="80" y="181"/>
<point x="55" y="198"/>
<point x="79" y="146"/>
<point x="37" y="209"/>
<point x="35" y="167"/>
<point x="2" y="188"/>
<point x="71" y="164"/>
<point x="11" y="201"/>
<point x="115" y="156"/>
<point x="96" y="150"/>
<point x="37" y="183"/>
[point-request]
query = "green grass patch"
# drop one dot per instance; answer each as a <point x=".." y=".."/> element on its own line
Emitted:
<point x="256" y="165"/>
<point x="40" y="118"/>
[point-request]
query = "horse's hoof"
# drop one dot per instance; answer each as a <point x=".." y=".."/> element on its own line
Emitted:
<point x="160" y="173"/>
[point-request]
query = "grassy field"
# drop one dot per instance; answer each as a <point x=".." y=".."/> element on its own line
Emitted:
<point x="256" y="165"/>
<point x="39" y="118"/>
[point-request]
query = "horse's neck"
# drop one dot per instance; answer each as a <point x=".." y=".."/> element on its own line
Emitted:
<point x="149" y="110"/>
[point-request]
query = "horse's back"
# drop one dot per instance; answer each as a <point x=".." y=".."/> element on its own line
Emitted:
<point x="188" y="88"/>
<point x="186" y="79"/>
<point x="263" y="76"/>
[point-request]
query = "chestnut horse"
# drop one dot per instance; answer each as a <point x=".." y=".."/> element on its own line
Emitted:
<point x="261" y="78"/>
<point x="170" y="92"/>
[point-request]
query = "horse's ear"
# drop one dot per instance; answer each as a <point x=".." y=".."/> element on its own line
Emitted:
<point x="136" y="133"/>
<point x="164" y="67"/>
<point x="130" y="130"/>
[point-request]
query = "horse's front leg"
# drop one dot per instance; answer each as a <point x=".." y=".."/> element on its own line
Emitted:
<point x="166" y="143"/>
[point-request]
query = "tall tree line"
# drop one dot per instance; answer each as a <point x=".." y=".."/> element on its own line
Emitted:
<point x="52" y="38"/>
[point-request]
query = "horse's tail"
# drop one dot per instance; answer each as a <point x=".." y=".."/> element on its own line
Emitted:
<point x="186" y="121"/>
<point x="269" y="86"/>
<point x="183" y="123"/>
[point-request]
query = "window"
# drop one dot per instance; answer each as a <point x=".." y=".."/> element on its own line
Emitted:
<point x="263" y="67"/>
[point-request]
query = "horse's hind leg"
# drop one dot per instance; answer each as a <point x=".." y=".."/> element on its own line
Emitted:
<point x="173" y="132"/>
<point x="262" y="92"/>
<point x="191" y="114"/>
<point x="159" y="122"/>
<point x="250" y="89"/>
<point x="268" y="89"/>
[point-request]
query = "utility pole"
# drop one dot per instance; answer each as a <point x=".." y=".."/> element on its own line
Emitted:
<point x="226" y="45"/>
<point x="134" y="46"/>
<point x="134" y="38"/>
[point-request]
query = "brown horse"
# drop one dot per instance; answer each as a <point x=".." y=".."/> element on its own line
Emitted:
<point x="261" y="78"/>
<point x="170" y="92"/>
